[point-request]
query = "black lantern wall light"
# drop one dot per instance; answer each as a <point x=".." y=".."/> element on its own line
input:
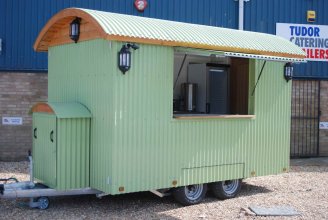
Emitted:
<point x="74" y="31"/>
<point x="124" y="57"/>
<point x="288" y="71"/>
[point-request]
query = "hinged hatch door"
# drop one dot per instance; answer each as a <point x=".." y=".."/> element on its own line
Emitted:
<point x="44" y="148"/>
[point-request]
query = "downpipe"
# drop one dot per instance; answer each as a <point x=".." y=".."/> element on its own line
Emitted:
<point x="241" y="14"/>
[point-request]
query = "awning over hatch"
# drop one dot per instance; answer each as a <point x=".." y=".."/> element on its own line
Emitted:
<point x="112" y="26"/>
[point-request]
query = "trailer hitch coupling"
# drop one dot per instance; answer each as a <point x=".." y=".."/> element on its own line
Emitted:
<point x="9" y="179"/>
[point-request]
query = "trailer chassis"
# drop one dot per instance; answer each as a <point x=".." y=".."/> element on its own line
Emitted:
<point x="37" y="192"/>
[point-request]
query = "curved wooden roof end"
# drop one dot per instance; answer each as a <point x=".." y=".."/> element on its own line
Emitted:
<point x="56" y="31"/>
<point x="127" y="28"/>
<point x="42" y="107"/>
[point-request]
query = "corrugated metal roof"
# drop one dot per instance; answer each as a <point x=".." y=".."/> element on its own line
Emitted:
<point x="155" y="31"/>
<point x="62" y="109"/>
<point x="260" y="16"/>
<point x="70" y="110"/>
<point x="18" y="53"/>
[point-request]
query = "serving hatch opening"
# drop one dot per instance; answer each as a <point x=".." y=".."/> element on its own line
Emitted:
<point x="208" y="84"/>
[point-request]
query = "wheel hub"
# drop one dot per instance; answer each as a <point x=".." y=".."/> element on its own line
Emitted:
<point x="193" y="191"/>
<point x="230" y="186"/>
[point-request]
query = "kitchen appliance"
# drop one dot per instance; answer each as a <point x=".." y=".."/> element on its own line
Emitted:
<point x="188" y="93"/>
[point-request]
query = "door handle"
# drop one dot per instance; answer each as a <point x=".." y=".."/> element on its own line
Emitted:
<point x="52" y="136"/>
<point x="34" y="133"/>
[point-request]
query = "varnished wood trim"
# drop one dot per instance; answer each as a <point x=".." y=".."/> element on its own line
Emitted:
<point x="200" y="116"/>
<point x="64" y="17"/>
<point x="42" y="107"/>
<point x="64" y="39"/>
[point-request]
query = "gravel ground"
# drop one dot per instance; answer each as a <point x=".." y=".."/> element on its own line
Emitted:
<point x="304" y="188"/>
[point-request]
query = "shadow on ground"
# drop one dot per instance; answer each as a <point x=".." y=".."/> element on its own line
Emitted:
<point x="128" y="206"/>
<point x="250" y="190"/>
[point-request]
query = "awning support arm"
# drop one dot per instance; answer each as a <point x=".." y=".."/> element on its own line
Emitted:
<point x="258" y="78"/>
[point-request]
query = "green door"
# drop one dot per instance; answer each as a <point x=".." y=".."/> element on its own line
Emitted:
<point x="44" y="148"/>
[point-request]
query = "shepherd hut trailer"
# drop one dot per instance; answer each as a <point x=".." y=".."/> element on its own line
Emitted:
<point x="138" y="104"/>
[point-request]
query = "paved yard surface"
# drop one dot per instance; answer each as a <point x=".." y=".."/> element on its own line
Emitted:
<point x="305" y="188"/>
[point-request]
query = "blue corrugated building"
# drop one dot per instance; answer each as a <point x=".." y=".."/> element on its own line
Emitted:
<point x="22" y="20"/>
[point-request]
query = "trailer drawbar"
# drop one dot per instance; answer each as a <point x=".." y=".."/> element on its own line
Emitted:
<point x="37" y="192"/>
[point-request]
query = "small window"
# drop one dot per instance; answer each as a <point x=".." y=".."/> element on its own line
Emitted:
<point x="210" y="85"/>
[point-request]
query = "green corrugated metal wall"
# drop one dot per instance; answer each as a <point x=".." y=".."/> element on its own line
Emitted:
<point x="84" y="72"/>
<point x="73" y="139"/>
<point x="136" y="143"/>
<point x="64" y="163"/>
<point x="45" y="151"/>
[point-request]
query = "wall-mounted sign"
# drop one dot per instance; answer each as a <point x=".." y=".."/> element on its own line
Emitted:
<point x="313" y="39"/>
<point x="140" y="5"/>
<point x="323" y="125"/>
<point x="310" y="16"/>
<point x="12" y="120"/>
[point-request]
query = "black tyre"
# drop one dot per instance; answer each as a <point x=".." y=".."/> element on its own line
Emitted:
<point x="190" y="195"/>
<point x="226" y="189"/>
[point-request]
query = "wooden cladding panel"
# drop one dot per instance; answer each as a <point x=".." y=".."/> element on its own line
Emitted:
<point x="56" y="31"/>
<point x="42" y="107"/>
<point x="239" y="77"/>
<point x="59" y="34"/>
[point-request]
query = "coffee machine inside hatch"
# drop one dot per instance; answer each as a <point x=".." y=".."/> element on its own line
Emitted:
<point x="188" y="95"/>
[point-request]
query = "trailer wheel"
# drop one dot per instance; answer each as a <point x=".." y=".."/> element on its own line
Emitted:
<point x="190" y="195"/>
<point x="43" y="203"/>
<point x="226" y="189"/>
